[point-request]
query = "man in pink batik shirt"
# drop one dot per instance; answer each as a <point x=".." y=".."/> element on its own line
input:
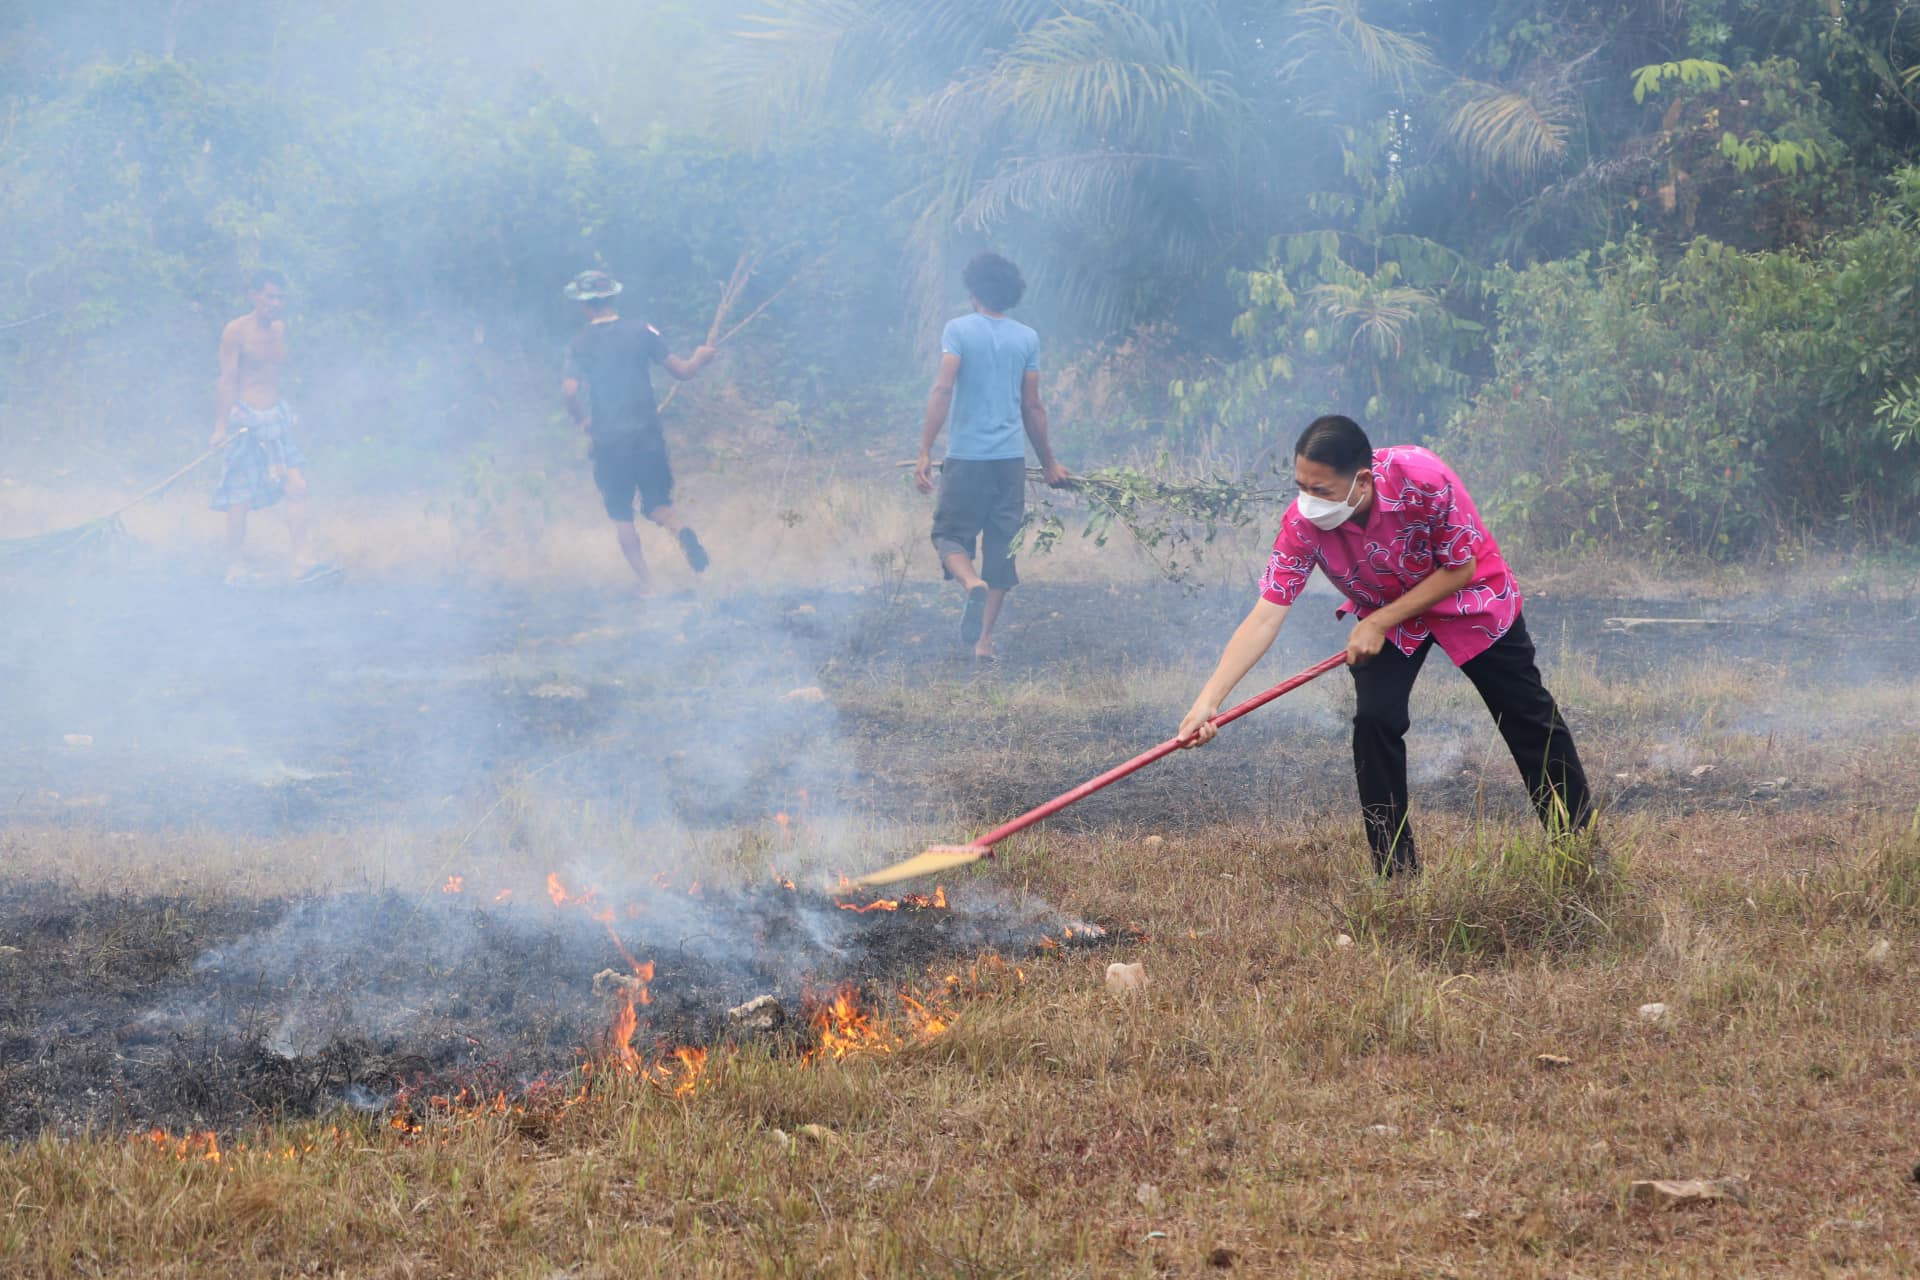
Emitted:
<point x="1398" y="534"/>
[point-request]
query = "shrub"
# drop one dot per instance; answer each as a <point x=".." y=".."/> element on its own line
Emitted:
<point x="1712" y="405"/>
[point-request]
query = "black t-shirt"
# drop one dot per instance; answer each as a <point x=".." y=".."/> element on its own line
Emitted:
<point x="611" y="359"/>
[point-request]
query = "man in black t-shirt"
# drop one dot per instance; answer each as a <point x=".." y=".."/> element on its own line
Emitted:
<point x="609" y="392"/>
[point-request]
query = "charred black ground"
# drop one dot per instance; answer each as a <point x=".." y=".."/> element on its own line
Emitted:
<point x="211" y="1012"/>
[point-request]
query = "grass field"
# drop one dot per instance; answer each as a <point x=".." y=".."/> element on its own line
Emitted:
<point x="1271" y="1101"/>
<point x="1321" y="1076"/>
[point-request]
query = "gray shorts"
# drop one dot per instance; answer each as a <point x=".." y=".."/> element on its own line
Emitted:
<point x="983" y="503"/>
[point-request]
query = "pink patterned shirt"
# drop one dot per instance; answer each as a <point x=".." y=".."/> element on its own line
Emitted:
<point x="1422" y="520"/>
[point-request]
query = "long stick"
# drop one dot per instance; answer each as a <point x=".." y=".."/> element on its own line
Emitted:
<point x="122" y="510"/>
<point x="1146" y="758"/>
<point x="742" y="273"/>
<point x="945" y="857"/>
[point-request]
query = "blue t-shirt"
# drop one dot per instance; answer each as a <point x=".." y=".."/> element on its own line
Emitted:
<point x="995" y="355"/>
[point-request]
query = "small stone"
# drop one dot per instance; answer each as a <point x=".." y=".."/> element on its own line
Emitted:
<point x="1702" y="770"/>
<point x="1384" y="1130"/>
<point x="758" y="1016"/>
<point x="1653" y="1012"/>
<point x="1148" y="1195"/>
<point x="1551" y="1061"/>
<point x="1342" y="940"/>
<point x="1221" y="1257"/>
<point x="608" y="981"/>
<point x="811" y="693"/>
<point x="1123" y="979"/>
<point x="1153" y="842"/>
<point x="1880" y="952"/>
<point x="819" y="1135"/>
<point x="1681" y="1193"/>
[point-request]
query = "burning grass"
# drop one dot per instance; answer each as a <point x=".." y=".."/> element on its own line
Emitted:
<point x="937" y="1100"/>
<point x="213" y="1013"/>
<point x="1270" y="1100"/>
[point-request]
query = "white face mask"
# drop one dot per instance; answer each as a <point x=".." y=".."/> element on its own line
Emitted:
<point x="1323" y="513"/>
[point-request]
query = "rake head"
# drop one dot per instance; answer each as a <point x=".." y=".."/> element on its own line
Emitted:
<point x="938" y="858"/>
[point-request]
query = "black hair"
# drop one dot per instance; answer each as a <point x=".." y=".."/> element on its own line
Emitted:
<point x="267" y="276"/>
<point x="1336" y="441"/>
<point x="994" y="281"/>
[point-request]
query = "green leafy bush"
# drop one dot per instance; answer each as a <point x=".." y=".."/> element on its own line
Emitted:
<point x="1715" y="405"/>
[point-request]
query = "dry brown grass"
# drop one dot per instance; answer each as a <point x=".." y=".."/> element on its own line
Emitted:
<point x="1272" y="1099"/>
<point x="761" y="524"/>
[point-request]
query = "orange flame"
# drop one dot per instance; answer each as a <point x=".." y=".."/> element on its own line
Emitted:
<point x="841" y="1027"/>
<point x="556" y="890"/>
<point x="620" y="1036"/>
<point x="503" y="895"/>
<point x="192" y="1146"/>
<point x="680" y="1071"/>
<point x="454" y="884"/>
<point x="937" y="901"/>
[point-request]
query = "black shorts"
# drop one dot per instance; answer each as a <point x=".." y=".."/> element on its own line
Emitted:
<point x="983" y="502"/>
<point x="624" y="464"/>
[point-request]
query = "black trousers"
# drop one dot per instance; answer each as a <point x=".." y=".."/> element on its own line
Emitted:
<point x="1509" y="683"/>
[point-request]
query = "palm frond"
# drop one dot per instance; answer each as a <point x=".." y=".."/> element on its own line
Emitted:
<point x="1082" y="185"/>
<point x="1504" y="132"/>
<point x="1381" y="54"/>
<point x="1379" y="317"/>
<point x="1109" y="70"/>
<point x="804" y="55"/>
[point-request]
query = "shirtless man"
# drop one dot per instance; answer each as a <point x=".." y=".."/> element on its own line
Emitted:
<point x="262" y="462"/>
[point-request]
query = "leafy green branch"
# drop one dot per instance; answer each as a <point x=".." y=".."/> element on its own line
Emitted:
<point x="1173" y="520"/>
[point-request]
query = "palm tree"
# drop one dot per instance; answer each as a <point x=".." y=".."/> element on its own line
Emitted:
<point x="1131" y="150"/>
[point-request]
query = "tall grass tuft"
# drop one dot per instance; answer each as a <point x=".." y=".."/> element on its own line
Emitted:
<point x="1528" y="893"/>
<point x="1880" y="888"/>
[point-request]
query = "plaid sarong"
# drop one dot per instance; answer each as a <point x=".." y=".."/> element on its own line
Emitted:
<point x="254" y="473"/>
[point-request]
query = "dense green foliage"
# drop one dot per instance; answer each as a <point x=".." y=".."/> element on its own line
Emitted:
<point x="1637" y="264"/>
<point x="1725" y="399"/>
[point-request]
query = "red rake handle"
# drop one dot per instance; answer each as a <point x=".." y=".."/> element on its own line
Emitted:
<point x="1146" y="758"/>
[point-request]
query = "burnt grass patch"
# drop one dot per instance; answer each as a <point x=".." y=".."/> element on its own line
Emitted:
<point x="210" y="1012"/>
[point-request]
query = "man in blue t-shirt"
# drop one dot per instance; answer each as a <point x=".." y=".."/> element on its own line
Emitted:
<point x="988" y="389"/>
